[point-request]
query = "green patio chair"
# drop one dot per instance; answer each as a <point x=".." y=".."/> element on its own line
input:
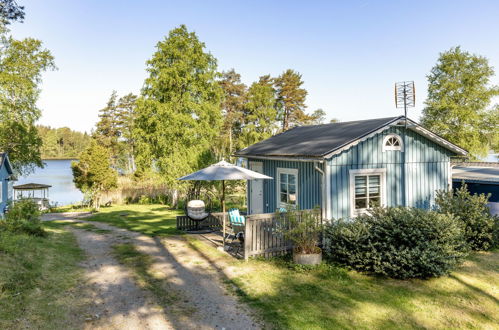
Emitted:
<point x="237" y="222"/>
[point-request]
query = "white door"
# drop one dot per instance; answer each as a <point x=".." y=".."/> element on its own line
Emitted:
<point x="256" y="190"/>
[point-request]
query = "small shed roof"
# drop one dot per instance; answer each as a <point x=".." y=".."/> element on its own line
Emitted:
<point x="31" y="186"/>
<point x="322" y="141"/>
<point x="476" y="174"/>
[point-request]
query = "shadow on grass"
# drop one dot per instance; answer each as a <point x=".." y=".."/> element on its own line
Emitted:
<point x="476" y="289"/>
<point x="331" y="297"/>
<point x="155" y="221"/>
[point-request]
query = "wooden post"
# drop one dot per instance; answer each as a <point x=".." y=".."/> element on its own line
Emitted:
<point x="248" y="238"/>
<point x="223" y="211"/>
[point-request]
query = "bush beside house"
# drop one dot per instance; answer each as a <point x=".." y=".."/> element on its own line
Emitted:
<point x="23" y="217"/>
<point x="397" y="242"/>
<point x="473" y="212"/>
<point x="414" y="243"/>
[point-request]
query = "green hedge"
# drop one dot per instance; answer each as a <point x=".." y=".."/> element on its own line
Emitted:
<point x="23" y="217"/>
<point x="473" y="212"/>
<point x="397" y="242"/>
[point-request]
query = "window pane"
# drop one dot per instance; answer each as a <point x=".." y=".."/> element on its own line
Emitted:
<point x="360" y="203"/>
<point x="374" y="190"/>
<point x="374" y="180"/>
<point x="292" y="188"/>
<point x="360" y="181"/>
<point x="292" y="179"/>
<point x="292" y="198"/>
<point x="284" y="198"/>
<point x="374" y="202"/>
<point x="284" y="188"/>
<point x="360" y="192"/>
<point x="284" y="178"/>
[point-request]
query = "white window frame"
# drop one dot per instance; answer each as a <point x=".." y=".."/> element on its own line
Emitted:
<point x="393" y="148"/>
<point x="293" y="171"/>
<point x="371" y="171"/>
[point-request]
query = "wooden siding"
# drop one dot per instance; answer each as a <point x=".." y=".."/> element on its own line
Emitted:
<point x="426" y="170"/>
<point x="309" y="184"/>
<point x="4" y="174"/>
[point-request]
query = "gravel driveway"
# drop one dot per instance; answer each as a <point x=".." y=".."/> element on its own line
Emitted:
<point x="201" y="299"/>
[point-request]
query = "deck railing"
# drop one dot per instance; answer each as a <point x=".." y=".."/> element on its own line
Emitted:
<point x="213" y="222"/>
<point x="263" y="234"/>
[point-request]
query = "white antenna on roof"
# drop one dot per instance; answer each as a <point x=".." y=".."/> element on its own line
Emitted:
<point x="405" y="96"/>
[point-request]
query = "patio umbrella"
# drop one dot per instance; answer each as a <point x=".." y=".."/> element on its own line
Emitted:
<point x="223" y="171"/>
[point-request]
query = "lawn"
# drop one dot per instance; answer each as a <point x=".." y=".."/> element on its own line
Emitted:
<point x="151" y="220"/>
<point x="331" y="297"/>
<point x="291" y="297"/>
<point x="38" y="280"/>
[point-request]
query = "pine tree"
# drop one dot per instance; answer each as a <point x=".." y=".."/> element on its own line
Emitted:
<point x="459" y="99"/>
<point x="125" y="117"/>
<point x="106" y="131"/>
<point x="234" y="92"/>
<point x="178" y="115"/>
<point x="260" y="112"/>
<point x="115" y="130"/>
<point x="291" y="99"/>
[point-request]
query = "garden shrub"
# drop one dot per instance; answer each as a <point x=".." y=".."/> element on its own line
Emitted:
<point x="144" y="200"/>
<point x="303" y="229"/>
<point x="23" y="217"/>
<point x="473" y="211"/>
<point x="397" y="242"/>
<point x="495" y="232"/>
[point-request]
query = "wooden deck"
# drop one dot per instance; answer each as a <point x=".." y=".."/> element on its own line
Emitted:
<point x="263" y="234"/>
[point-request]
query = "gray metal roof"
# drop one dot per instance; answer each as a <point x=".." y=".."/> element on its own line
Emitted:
<point x="315" y="140"/>
<point x="476" y="174"/>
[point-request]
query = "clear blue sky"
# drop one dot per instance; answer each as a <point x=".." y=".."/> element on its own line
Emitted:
<point x="350" y="52"/>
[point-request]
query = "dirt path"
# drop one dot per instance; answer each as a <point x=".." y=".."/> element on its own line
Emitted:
<point x="200" y="299"/>
<point x="115" y="300"/>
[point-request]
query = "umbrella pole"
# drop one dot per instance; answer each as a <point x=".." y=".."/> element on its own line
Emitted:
<point x="223" y="211"/>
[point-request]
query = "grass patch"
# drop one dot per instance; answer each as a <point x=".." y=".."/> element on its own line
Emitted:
<point x="38" y="279"/>
<point x="140" y="264"/>
<point x="327" y="296"/>
<point x="151" y="220"/>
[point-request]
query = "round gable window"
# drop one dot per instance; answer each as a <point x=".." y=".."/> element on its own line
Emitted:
<point x="392" y="142"/>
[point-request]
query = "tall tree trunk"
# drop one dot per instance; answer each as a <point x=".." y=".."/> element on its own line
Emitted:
<point x="174" y="198"/>
<point x="285" y="120"/>
<point x="230" y="144"/>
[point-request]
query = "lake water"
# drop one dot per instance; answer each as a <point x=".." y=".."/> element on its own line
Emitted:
<point x="56" y="173"/>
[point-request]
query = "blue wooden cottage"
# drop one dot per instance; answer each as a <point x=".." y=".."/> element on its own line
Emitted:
<point x="347" y="168"/>
<point x="5" y="183"/>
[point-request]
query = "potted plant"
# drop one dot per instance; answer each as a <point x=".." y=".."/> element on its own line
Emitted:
<point x="303" y="229"/>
